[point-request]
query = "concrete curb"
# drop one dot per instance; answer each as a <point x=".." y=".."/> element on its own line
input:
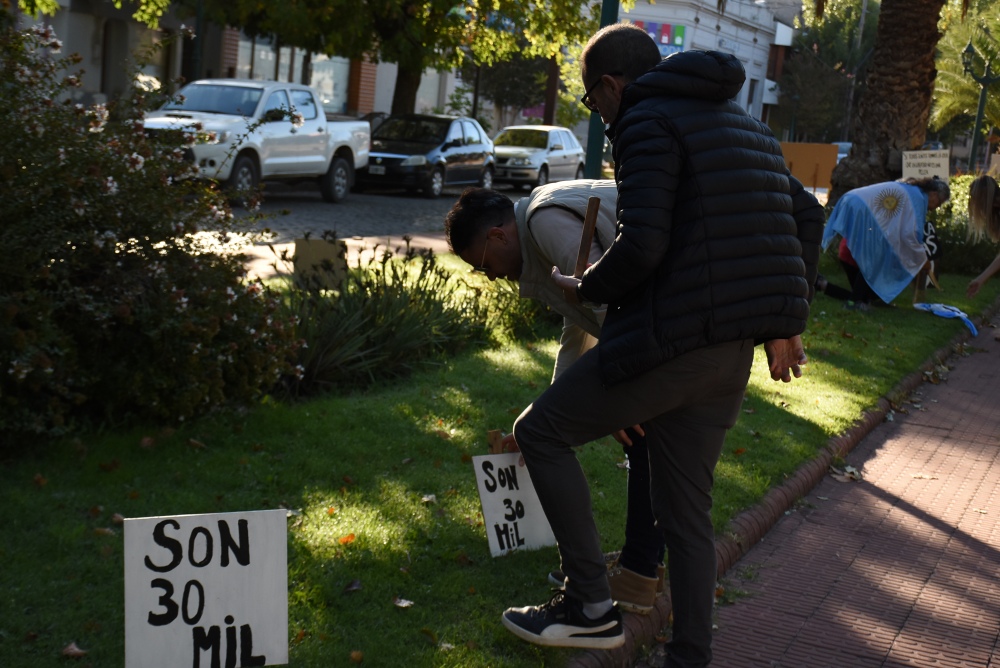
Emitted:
<point x="746" y="529"/>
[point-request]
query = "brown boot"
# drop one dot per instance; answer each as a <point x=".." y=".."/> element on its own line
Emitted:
<point x="633" y="592"/>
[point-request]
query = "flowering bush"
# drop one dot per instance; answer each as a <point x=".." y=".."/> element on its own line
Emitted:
<point x="114" y="300"/>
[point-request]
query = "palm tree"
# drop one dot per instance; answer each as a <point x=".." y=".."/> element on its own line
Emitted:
<point x="892" y="115"/>
<point x="956" y="94"/>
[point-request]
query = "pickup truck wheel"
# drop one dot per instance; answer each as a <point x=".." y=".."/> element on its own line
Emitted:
<point x="244" y="178"/>
<point x="435" y="185"/>
<point x="336" y="183"/>
<point x="486" y="180"/>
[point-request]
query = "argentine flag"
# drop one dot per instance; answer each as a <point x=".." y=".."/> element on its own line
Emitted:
<point x="884" y="228"/>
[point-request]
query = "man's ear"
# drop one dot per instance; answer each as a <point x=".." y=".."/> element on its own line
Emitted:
<point x="614" y="84"/>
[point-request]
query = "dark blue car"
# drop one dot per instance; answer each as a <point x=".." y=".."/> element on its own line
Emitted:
<point x="426" y="152"/>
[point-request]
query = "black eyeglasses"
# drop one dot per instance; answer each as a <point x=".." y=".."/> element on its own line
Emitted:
<point x="482" y="269"/>
<point x="585" y="100"/>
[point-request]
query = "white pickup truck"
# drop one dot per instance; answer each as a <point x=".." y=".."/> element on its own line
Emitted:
<point x="248" y="131"/>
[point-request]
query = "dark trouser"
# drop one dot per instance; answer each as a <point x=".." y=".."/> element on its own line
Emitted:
<point x="643" y="549"/>
<point x="685" y="405"/>
<point x="860" y="290"/>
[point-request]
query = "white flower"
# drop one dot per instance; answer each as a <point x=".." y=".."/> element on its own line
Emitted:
<point x="135" y="162"/>
<point x="61" y="153"/>
<point x="79" y="206"/>
<point x="109" y="186"/>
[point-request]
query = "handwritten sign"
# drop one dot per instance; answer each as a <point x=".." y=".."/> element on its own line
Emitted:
<point x="925" y="164"/>
<point x="511" y="511"/>
<point x="206" y="590"/>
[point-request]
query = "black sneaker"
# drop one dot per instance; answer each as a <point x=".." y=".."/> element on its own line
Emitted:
<point x="561" y="623"/>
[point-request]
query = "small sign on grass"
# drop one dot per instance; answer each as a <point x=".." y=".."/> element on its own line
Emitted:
<point x="206" y="590"/>
<point x="511" y="511"/>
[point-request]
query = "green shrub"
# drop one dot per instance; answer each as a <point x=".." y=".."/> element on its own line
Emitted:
<point x="389" y="315"/>
<point x="114" y="299"/>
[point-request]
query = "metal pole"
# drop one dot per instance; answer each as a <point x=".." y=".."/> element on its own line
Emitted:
<point x="595" y="133"/>
<point x="973" y="157"/>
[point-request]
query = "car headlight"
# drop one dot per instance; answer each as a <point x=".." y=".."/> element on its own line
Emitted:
<point x="521" y="162"/>
<point x="414" y="161"/>
<point x="214" y="137"/>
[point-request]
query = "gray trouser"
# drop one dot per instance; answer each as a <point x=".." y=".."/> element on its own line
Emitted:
<point x="686" y="406"/>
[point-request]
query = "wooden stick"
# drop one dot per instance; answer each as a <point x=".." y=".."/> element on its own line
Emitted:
<point x="494" y="438"/>
<point x="589" y="224"/>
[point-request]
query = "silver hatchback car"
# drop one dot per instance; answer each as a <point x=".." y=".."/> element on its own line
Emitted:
<point x="533" y="155"/>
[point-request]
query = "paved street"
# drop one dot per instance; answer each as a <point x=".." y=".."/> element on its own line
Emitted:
<point x="362" y="220"/>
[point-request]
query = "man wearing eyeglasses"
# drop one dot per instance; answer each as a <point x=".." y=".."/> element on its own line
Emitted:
<point x="522" y="242"/>
<point x="708" y="260"/>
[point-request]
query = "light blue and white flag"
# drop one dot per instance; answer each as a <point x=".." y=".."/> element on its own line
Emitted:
<point x="884" y="228"/>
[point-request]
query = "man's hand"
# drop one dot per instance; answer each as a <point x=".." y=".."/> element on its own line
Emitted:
<point x="567" y="284"/>
<point x="508" y="444"/>
<point x="622" y="435"/>
<point x="784" y="356"/>
<point x="974" y="286"/>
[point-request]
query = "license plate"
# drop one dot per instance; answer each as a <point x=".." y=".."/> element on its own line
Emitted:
<point x="376" y="169"/>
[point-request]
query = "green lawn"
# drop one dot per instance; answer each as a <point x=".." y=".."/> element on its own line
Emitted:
<point x="365" y="466"/>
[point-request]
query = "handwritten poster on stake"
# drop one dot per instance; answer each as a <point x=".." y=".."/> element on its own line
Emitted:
<point x="511" y="511"/>
<point x="206" y="590"/>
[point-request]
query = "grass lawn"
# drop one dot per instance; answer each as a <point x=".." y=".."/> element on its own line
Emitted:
<point x="382" y="498"/>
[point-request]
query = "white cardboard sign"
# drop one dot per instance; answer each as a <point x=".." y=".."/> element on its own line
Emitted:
<point x="924" y="164"/>
<point x="206" y="591"/>
<point x="512" y="514"/>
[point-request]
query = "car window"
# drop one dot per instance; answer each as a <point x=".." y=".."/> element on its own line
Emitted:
<point x="277" y="100"/>
<point x="472" y="135"/>
<point x="455" y="133"/>
<point x="568" y="140"/>
<point x="422" y="130"/>
<point x="304" y="104"/>
<point x="521" y="137"/>
<point x="233" y="100"/>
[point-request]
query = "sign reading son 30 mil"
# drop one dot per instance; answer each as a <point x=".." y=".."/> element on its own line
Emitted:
<point x="206" y="590"/>
<point x="512" y="514"/>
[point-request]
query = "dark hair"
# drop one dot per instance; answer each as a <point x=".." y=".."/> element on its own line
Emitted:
<point x="621" y="47"/>
<point x="476" y="210"/>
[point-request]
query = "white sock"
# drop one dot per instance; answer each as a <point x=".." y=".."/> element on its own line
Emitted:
<point x="597" y="610"/>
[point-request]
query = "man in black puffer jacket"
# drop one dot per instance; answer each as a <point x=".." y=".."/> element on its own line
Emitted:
<point x="708" y="261"/>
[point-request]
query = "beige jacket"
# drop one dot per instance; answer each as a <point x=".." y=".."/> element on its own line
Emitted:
<point x="550" y="227"/>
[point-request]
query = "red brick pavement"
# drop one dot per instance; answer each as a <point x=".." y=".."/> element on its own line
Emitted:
<point x="899" y="569"/>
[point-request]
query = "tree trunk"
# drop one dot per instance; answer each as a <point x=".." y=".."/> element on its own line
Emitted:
<point x="892" y="114"/>
<point x="404" y="96"/>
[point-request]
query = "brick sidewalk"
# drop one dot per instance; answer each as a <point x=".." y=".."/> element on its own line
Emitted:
<point x="898" y="569"/>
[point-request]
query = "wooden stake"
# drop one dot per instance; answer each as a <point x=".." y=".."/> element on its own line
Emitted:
<point x="589" y="224"/>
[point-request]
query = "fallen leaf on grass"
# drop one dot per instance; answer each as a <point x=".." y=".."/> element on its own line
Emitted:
<point x="147" y="442"/>
<point x="428" y="499"/>
<point x="401" y="602"/>
<point x="73" y="651"/>
<point x="466" y="458"/>
<point x="344" y="540"/>
<point x="353" y="587"/>
<point x="739" y="451"/>
<point x="40" y="480"/>
<point x="348" y="479"/>
<point x="104" y="531"/>
<point x="331" y="510"/>
<point x="300" y="636"/>
<point x="357" y="656"/>
<point x="108" y="467"/>
<point x="408" y="460"/>
<point x="442" y="434"/>
<point x="749" y="411"/>
<point x="430" y="635"/>
<point x="196" y="444"/>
